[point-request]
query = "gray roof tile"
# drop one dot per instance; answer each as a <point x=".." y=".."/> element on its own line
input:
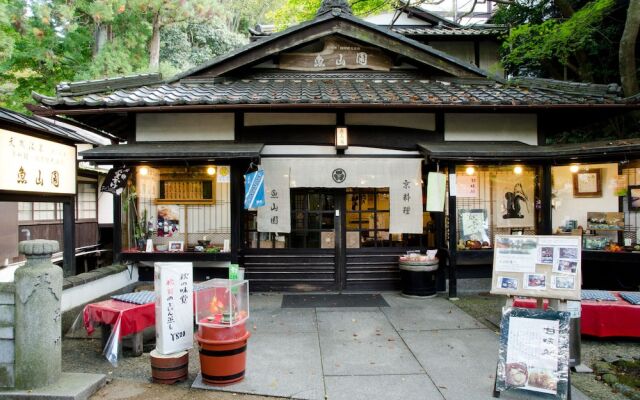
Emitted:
<point x="354" y="88"/>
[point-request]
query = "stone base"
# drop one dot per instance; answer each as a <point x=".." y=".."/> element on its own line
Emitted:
<point x="582" y="369"/>
<point x="71" y="386"/>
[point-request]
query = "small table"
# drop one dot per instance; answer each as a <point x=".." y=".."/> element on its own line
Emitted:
<point x="602" y="318"/>
<point x="119" y="316"/>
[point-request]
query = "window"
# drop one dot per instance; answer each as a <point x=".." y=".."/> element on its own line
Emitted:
<point x="368" y="218"/>
<point x="86" y="201"/>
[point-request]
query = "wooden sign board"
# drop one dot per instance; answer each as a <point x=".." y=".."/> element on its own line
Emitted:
<point x="537" y="266"/>
<point x="337" y="54"/>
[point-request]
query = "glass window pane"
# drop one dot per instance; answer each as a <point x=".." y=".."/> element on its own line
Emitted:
<point x="314" y="202"/>
<point x="25" y="211"/>
<point x="329" y="202"/>
<point x="328" y="220"/>
<point x="314" y="221"/>
<point x="382" y="200"/>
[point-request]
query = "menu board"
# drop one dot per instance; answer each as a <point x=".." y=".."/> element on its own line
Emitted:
<point x="173" y="283"/>
<point x="534" y="352"/>
<point x="537" y="266"/>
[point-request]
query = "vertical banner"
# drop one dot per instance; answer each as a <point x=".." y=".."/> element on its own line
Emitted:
<point x="275" y="216"/>
<point x="405" y="199"/>
<point x="174" y="306"/>
<point x="254" y="190"/>
<point x="436" y="190"/>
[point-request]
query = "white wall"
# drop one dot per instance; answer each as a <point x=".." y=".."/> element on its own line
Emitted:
<point x="86" y="293"/>
<point x="184" y="127"/>
<point x="386" y="18"/>
<point x="496" y="127"/>
<point x="105" y="205"/>
<point x="566" y="207"/>
<point x="404" y="120"/>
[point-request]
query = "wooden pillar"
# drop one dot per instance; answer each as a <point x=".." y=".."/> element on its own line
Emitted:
<point x="453" y="243"/>
<point x="117" y="228"/>
<point x="69" y="235"/>
<point x="237" y="208"/>
<point x="545" y="196"/>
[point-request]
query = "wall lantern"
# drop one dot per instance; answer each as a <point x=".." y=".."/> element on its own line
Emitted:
<point x="144" y="171"/>
<point x="211" y="171"/>
<point x="342" y="137"/>
<point x="574" y="168"/>
<point x="517" y="170"/>
<point x="470" y="170"/>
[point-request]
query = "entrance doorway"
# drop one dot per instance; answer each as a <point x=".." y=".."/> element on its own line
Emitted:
<point x="339" y="240"/>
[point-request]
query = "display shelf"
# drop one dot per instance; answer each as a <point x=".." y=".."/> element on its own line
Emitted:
<point x="135" y="255"/>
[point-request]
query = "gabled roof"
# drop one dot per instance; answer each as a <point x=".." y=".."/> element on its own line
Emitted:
<point x="48" y="127"/>
<point x="340" y="23"/>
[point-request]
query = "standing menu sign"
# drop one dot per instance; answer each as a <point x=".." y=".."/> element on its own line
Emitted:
<point x="537" y="266"/>
<point x="534" y="351"/>
<point x="174" y="306"/>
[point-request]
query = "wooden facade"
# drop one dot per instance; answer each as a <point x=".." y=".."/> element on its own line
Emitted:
<point x="245" y="109"/>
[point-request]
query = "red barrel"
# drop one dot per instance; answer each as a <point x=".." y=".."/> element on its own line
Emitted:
<point x="223" y="353"/>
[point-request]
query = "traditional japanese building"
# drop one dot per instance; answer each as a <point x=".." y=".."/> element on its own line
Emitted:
<point x="347" y="119"/>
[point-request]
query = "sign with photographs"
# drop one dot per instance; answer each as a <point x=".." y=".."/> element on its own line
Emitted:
<point x="537" y="266"/>
<point x="533" y="353"/>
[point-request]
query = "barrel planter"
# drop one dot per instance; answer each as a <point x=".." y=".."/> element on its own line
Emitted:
<point x="418" y="278"/>
<point x="169" y="369"/>
<point x="223" y="353"/>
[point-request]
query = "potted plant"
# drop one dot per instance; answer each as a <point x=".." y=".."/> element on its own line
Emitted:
<point x="140" y="226"/>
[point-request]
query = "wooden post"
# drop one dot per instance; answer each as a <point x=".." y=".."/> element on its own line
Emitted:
<point x="117" y="228"/>
<point x="69" y="235"/>
<point x="453" y="242"/>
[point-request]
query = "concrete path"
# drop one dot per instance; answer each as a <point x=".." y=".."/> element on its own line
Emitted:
<point x="415" y="349"/>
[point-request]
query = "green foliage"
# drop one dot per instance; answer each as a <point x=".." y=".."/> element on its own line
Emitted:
<point x="582" y="44"/>
<point x="188" y="44"/>
<point x="295" y="11"/>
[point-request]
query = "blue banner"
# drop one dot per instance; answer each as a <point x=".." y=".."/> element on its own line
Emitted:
<point x="254" y="190"/>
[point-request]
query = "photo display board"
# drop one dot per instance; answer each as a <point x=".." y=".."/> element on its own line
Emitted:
<point x="533" y="354"/>
<point x="537" y="266"/>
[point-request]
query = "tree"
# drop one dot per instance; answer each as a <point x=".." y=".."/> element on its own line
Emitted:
<point x="627" y="53"/>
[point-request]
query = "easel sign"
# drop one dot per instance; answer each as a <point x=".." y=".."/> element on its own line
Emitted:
<point x="533" y="353"/>
<point x="537" y="266"/>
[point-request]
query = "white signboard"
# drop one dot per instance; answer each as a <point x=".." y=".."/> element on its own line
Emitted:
<point x="401" y="176"/>
<point x="467" y="186"/>
<point x="537" y="266"/>
<point x="30" y="164"/>
<point x="223" y="174"/>
<point x="174" y="306"/>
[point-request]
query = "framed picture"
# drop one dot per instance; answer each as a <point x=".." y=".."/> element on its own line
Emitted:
<point x="587" y="184"/>
<point x="514" y="206"/>
<point x="634" y="198"/>
<point x="176" y="246"/>
<point x="474" y="225"/>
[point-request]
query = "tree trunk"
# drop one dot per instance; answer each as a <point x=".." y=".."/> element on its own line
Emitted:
<point x="627" y="51"/>
<point x="154" y="45"/>
<point x="100" y="38"/>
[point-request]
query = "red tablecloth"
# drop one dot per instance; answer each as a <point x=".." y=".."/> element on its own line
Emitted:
<point x="127" y="317"/>
<point x="602" y="318"/>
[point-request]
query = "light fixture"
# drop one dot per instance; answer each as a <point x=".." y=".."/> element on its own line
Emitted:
<point x="211" y="171"/>
<point x="574" y="168"/>
<point x="517" y="170"/>
<point x="342" y="137"/>
<point x="470" y="170"/>
<point x="144" y="171"/>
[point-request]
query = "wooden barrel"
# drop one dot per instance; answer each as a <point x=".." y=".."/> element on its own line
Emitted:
<point x="222" y="362"/>
<point x="169" y="369"/>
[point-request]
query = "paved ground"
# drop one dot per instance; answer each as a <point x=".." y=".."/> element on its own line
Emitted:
<point x="414" y="349"/>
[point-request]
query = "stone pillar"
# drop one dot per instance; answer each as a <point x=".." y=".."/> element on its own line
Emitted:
<point x="38" y="342"/>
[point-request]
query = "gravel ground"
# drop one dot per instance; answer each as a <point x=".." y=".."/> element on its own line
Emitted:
<point x="487" y="309"/>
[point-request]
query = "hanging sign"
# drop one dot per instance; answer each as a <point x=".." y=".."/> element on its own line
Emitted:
<point x="254" y="190"/>
<point x="436" y="190"/>
<point x="467" y="186"/>
<point x="116" y="180"/>
<point x="174" y="306"/>
<point x="31" y="164"/>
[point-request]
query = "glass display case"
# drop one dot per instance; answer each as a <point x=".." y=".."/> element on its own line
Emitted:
<point x="222" y="303"/>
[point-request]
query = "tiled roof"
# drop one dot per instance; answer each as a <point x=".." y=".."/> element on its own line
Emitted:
<point x="447" y="31"/>
<point x="336" y="88"/>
